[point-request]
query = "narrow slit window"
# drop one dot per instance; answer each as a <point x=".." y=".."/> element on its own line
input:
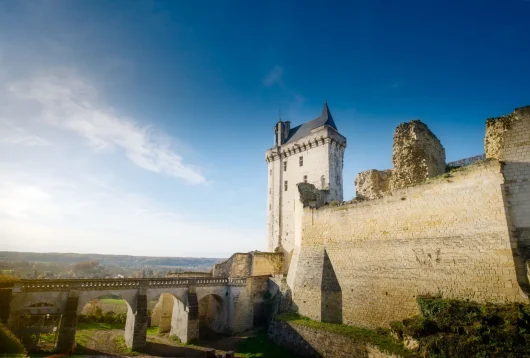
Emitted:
<point x="284" y="166"/>
<point x="323" y="181"/>
<point x="305" y="178"/>
<point x="301" y="161"/>
<point x="270" y="172"/>
<point x="285" y="185"/>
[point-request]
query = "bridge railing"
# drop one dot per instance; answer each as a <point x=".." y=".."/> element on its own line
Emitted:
<point x="123" y="284"/>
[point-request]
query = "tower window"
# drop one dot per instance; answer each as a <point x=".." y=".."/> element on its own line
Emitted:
<point x="285" y="185"/>
<point x="270" y="172"/>
<point x="270" y="206"/>
<point x="323" y="182"/>
<point x="305" y="178"/>
<point x="301" y="161"/>
<point x="285" y="166"/>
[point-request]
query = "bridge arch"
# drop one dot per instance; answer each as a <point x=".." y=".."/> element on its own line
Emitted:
<point x="173" y="314"/>
<point x="213" y="314"/>
<point x="128" y="296"/>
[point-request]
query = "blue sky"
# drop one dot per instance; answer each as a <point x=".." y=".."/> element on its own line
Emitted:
<point x="140" y="127"/>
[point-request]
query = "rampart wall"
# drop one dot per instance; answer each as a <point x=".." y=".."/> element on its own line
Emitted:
<point x="364" y="263"/>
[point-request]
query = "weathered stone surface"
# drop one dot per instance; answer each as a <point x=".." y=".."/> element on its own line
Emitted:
<point x="449" y="236"/>
<point x="254" y="263"/>
<point x="313" y="342"/>
<point x="417" y="155"/>
<point x="372" y="184"/>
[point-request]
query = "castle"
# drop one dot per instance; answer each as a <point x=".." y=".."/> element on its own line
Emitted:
<point x="458" y="229"/>
<point x="424" y="226"/>
<point x="311" y="153"/>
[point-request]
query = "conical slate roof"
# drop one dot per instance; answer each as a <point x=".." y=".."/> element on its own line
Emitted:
<point x="325" y="118"/>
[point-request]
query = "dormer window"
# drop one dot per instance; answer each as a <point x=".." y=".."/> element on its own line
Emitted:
<point x="301" y="161"/>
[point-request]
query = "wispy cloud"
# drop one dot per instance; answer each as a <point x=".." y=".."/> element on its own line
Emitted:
<point x="11" y="134"/>
<point x="41" y="212"/>
<point x="274" y="76"/>
<point x="69" y="101"/>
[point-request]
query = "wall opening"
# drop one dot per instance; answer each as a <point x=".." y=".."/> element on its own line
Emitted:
<point x="37" y="326"/>
<point x="212" y="316"/>
<point x="107" y="316"/>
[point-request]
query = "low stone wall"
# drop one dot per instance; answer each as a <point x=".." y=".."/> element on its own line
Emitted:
<point x="250" y="264"/>
<point x="238" y="265"/>
<point x="313" y="342"/>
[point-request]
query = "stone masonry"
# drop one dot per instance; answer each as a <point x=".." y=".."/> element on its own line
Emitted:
<point x="372" y="184"/>
<point x="449" y="236"/>
<point x="417" y="155"/>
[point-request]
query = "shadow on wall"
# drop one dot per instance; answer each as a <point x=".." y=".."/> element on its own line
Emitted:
<point x="331" y="293"/>
<point x="514" y="193"/>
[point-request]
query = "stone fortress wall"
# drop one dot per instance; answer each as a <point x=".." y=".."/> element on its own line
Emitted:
<point x="463" y="234"/>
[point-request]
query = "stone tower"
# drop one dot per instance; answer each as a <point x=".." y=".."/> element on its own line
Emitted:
<point x="312" y="152"/>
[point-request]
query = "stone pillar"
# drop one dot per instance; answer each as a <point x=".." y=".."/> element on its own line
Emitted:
<point x="136" y="325"/>
<point x="185" y="318"/>
<point x="193" y="314"/>
<point x="68" y="325"/>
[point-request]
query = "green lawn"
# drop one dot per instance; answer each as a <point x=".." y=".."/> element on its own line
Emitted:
<point x="259" y="346"/>
<point x="113" y="301"/>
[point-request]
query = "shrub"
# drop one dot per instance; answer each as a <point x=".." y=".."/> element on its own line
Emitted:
<point x="9" y="344"/>
<point x="456" y="328"/>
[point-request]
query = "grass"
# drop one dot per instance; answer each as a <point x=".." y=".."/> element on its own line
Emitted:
<point x="153" y="331"/>
<point x="380" y="338"/>
<point x="259" y="346"/>
<point x="121" y="347"/>
<point x="98" y="326"/>
<point x="113" y="301"/>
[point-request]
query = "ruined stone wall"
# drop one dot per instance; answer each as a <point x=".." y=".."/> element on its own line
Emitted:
<point x="238" y="265"/>
<point x="449" y="236"/>
<point x="417" y="155"/>
<point x="372" y="184"/>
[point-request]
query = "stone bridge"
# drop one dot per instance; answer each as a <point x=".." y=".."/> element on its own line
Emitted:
<point x="226" y="303"/>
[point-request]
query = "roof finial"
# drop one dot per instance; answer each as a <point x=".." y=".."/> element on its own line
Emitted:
<point x="279" y="114"/>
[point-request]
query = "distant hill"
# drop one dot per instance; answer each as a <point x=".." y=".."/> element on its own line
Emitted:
<point x="124" y="261"/>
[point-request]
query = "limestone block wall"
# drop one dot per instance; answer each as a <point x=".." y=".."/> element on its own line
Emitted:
<point x="267" y="263"/>
<point x="514" y="151"/>
<point x="372" y="184"/>
<point x="241" y="308"/>
<point x="238" y="265"/>
<point x="250" y="264"/>
<point x="417" y="155"/>
<point x="449" y="236"/>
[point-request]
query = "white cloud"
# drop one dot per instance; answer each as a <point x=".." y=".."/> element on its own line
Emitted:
<point x="39" y="212"/>
<point x="68" y="101"/>
<point x="11" y="134"/>
<point x="274" y="76"/>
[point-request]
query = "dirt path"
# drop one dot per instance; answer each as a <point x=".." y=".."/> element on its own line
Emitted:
<point x="103" y="343"/>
